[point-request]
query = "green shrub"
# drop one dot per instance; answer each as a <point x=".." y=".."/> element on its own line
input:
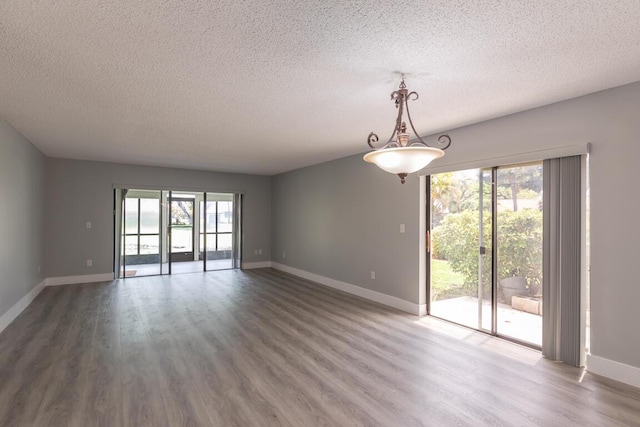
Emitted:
<point x="527" y="193"/>
<point x="519" y="250"/>
<point x="520" y="246"/>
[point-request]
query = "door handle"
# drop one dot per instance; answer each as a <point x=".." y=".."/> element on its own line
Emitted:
<point x="428" y="242"/>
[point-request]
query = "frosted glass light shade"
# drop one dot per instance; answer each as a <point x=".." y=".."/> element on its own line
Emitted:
<point x="403" y="159"/>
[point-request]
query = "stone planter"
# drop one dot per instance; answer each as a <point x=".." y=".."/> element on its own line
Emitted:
<point x="531" y="305"/>
<point x="513" y="286"/>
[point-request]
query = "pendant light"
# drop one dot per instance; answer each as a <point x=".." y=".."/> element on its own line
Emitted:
<point x="399" y="155"/>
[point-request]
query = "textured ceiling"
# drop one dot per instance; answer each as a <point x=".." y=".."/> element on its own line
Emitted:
<point x="269" y="86"/>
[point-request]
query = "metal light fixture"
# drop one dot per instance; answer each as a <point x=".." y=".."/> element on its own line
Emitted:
<point x="398" y="155"/>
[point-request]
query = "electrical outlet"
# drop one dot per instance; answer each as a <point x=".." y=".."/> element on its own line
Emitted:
<point x="402" y="228"/>
<point x="255" y="252"/>
<point x="89" y="263"/>
<point x="259" y="251"/>
<point x="373" y="275"/>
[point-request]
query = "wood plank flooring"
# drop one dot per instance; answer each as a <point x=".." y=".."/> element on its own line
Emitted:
<point x="263" y="348"/>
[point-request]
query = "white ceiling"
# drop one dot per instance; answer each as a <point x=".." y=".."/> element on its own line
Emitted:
<point x="268" y="86"/>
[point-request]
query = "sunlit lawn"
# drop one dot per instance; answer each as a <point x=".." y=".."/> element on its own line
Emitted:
<point x="443" y="277"/>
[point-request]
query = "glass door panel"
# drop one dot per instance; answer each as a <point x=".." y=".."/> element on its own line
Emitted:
<point x="219" y="214"/>
<point x="119" y="246"/>
<point x="519" y="243"/>
<point x="456" y="266"/>
<point x="182" y="229"/>
<point x="207" y="228"/>
<point x="131" y="215"/>
<point x="165" y="239"/>
<point x="485" y="252"/>
<point x="237" y="230"/>
<point x="141" y="233"/>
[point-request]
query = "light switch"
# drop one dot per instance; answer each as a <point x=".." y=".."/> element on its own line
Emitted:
<point x="88" y="224"/>
<point x="402" y="228"/>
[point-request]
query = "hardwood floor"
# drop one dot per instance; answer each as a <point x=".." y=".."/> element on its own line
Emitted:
<point x="263" y="348"/>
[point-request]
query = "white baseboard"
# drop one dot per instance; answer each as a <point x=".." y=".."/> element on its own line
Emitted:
<point x="261" y="264"/>
<point x="615" y="370"/>
<point x="378" y="297"/>
<point x="19" y="307"/>
<point x="71" y="280"/>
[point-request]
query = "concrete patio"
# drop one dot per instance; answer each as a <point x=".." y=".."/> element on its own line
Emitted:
<point x="512" y="323"/>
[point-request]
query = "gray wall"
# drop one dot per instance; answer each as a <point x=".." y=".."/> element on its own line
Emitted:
<point x="81" y="191"/>
<point x="366" y="205"/>
<point x="21" y="216"/>
<point x="342" y="219"/>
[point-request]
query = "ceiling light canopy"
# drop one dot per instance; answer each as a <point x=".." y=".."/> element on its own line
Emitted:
<point x="398" y="155"/>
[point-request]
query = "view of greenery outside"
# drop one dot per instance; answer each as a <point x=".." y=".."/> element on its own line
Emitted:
<point x="182" y="212"/>
<point x="444" y="279"/>
<point x="455" y="234"/>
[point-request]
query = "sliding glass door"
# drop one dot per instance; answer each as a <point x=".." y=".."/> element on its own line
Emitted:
<point x="168" y="232"/>
<point x="486" y="250"/>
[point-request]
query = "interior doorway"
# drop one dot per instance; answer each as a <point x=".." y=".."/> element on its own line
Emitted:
<point x="182" y="227"/>
<point x="169" y="232"/>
